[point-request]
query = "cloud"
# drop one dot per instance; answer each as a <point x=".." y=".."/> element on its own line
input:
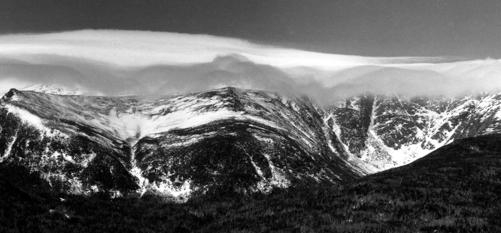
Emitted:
<point x="142" y="48"/>
<point x="108" y="62"/>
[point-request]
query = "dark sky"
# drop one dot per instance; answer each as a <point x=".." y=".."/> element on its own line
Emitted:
<point x="465" y="28"/>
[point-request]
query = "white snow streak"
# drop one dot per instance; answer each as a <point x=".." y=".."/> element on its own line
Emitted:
<point x="27" y="117"/>
<point x="9" y="148"/>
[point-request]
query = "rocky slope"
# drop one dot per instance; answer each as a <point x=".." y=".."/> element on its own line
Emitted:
<point x="389" y="131"/>
<point x="175" y="146"/>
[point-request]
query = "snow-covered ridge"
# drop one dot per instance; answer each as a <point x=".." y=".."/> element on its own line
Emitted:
<point x="52" y="89"/>
<point x="130" y="118"/>
<point x="382" y="132"/>
<point x="279" y="139"/>
<point x="402" y="130"/>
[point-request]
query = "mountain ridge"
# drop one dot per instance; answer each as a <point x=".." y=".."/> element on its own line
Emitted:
<point x="389" y="131"/>
<point x="173" y="145"/>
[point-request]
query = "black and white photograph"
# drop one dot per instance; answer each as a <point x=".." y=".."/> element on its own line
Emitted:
<point x="242" y="116"/>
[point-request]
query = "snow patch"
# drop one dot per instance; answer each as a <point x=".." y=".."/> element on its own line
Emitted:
<point x="27" y="117"/>
<point x="88" y="158"/>
<point x="9" y="148"/>
<point x="278" y="178"/>
<point x="164" y="187"/>
<point x="51" y="89"/>
<point x="141" y="124"/>
<point x="263" y="139"/>
<point x="180" y="193"/>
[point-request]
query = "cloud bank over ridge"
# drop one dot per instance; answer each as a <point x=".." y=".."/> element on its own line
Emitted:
<point x="111" y="62"/>
<point x="143" y="48"/>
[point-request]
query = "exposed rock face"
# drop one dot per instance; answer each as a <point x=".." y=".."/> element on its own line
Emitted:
<point x="389" y="131"/>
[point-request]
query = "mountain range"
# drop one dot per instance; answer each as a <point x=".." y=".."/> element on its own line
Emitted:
<point x="232" y="158"/>
<point x="453" y="189"/>
<point x="175" y="146"/>
<point x="229" y="139"/>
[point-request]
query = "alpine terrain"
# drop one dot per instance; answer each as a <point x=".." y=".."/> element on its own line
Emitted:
<point x="390" y="131"/>
<point x="175" y="146"/>
<point x="230" y="158"/>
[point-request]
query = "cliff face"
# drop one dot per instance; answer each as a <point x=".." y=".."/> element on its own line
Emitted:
<point x="389" y="131"/>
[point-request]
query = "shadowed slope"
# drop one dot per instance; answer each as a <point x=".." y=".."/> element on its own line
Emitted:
<point x="454" y="189"/>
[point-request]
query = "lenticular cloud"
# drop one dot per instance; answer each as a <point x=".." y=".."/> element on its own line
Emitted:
<point x="141" y="48"/>
<point x="112" y="62"/>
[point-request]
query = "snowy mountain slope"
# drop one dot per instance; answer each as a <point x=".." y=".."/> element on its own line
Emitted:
<point x="389" y="131"/>
<point x="176" y="146"/>
<point x="52" y="89"/>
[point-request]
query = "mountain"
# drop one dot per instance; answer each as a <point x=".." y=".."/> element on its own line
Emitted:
<point x="174" y="146"/>
<point x="52" y="89"/>
<point x="390" y="130"/>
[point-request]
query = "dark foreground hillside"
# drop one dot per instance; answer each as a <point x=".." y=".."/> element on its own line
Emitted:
<point x="454" y="189"/>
